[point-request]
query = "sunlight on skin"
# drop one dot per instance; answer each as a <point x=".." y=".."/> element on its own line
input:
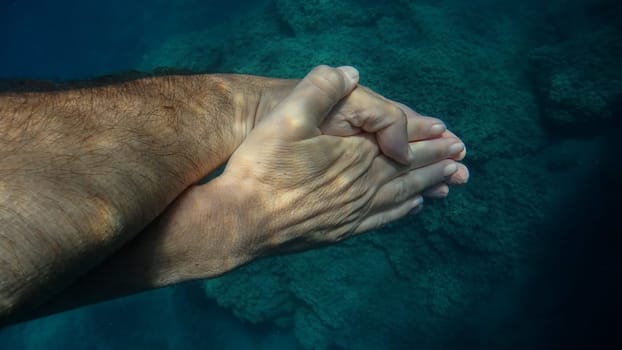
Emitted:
<point x="349" y="117"/>
<point x="319" y="160"/>
<point x="287" y="151"/>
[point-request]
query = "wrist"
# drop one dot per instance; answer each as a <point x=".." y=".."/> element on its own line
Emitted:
<point x="252" y="97"/>
<point x="227" y="225"/>
<point x="203" y="234"/>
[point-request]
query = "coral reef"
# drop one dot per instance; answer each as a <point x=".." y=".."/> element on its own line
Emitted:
<point x="580" y="91"/>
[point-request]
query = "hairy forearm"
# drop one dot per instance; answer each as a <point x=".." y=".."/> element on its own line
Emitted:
<point x="82" y="171"/>
<point x="197" y="237"/>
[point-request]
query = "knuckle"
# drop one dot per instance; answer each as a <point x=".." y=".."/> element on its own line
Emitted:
<point x="344" y="180"/>
<point x="397" y="113"/>
<point x="293" y="124"/>
<point x="291" y="117"/>
<point x="402" y="120"/>
<point x="356" y="119"/>
<point x="401" y="191"/>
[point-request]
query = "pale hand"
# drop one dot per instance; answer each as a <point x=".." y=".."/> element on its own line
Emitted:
<point x="296" y="188"/>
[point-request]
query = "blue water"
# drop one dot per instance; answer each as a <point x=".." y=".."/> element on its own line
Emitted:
<point x="524" y="256"/>
<point x="79" y="39"/>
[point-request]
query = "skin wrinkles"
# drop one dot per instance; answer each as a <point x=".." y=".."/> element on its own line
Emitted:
<point x="114" y="170"/>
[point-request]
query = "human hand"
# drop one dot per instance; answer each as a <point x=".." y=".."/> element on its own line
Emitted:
<point x="393" y="124"/>
<point x="293" y="187"/>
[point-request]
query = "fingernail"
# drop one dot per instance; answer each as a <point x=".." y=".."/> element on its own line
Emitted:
<point x="417" y="201"/>
<point x="438" y="128"/>
<point x="456" y="148"/>
<point x="450" y="169"/>
<point x="351" y="73"/>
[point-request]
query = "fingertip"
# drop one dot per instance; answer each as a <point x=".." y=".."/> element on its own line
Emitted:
<point x="416" y="204"/>
<point x="351" y="73"/>
<point x="421" y="127"/>
<point x="460" y="176"/>
<point x="416" y="210"/>
<point x="462" y="154"/>
<point x="417" y="201"/>
<point x="447" y="133"/>
<point x="437" y="129"/>
<point x="437" y="192"/>
<point x="450" y="169"/>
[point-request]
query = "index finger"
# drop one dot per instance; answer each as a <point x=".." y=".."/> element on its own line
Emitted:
<point x="374" y="114"/>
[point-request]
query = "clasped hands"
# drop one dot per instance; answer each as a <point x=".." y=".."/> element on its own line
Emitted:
<point x="311" y="162"/>
<point x="327" y="160"/>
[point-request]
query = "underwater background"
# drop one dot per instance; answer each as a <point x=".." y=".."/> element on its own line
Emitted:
<point x="525" y="256"/>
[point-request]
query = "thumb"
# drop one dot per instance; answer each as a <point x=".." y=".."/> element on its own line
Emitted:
<point x="312" y="99"/>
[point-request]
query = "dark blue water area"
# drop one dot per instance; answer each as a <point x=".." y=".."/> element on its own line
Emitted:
<point x="73" y="39"/>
